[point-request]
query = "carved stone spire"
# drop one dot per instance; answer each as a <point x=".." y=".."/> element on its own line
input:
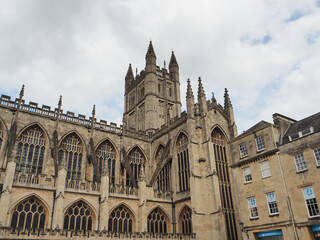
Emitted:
<point x="213" y="99"/>
<point x="150" y="51"/>
<point x="227" y="101"/>
<point x="173" y="60"/>
<point x="59" y="106"/>
<point x="202" y="98"/>
<point x="189" y="90"/>
<point x="190" y="100"/>
<point x="129" y="75"/>
<point x="21" y="96"/>
<point x="93" y="115"/>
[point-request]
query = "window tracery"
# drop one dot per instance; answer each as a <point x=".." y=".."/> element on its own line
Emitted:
<point x="78" y="217"/>
<point x="106" y="153"/>
<point x="157" y="222"/>
<point x="29" y="214"/>
<point x="183" y="163"/>
<point x="136" y="161"/>
<point x="120" y="220"/>
<point x="164" y="177"/>
<point x="30" y="152"/>
<point x="186" y="221"/>
<point x="73" y="149"/>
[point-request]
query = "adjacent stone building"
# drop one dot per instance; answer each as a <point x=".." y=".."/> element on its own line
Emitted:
<point x="277" y="171"/>
<point x="162" y="174"/>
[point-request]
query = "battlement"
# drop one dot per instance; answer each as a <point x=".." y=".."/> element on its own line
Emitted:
<point x="46" y="111"/>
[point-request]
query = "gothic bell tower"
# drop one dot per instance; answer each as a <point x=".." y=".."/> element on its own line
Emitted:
<point x="152" y="97"/>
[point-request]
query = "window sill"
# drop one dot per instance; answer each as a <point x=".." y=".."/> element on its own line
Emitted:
<point x="243" y="157"/>
<point x="245" y="183"/>
<point x="266" y="177"/>
<point x="314" y="217"/>
<point x="253" y="219"/>
<point x="274" y="215"/>
<point x="261" y="150"/>
<point x="302" y="171"/>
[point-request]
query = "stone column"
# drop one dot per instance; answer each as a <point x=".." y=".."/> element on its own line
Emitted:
<point x="104" y="189"/>
<point x="60" y="188"/>
<point x="142" y="211"/>
<point x="7" y="187"/>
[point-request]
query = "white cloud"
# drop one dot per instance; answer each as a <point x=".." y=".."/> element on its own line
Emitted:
<point x="81" y="49"/>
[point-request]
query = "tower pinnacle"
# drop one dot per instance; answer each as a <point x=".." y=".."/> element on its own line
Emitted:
<point x="173" y="60"/>
<point x="150" y="51"/>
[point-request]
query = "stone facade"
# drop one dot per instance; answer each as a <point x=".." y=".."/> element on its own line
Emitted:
<point x="162" y="174"/>
<point x="275" y="166"/>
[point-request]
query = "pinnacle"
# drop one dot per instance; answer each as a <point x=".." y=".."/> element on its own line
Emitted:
<point x="129" y="74"/>
<point x="60" y="101"/>
<point x="227" y="101"/>
<point x="22" y="92"/>
<point x="173" y="60"/>
<point x="94" y="110"/>
<point x="150" y="51"/>
<point x="200" y="89"/>
<point x="189" y="90"/>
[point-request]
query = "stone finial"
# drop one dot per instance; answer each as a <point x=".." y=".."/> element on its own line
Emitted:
<point x="93" y="111"/>
<point x="189" y="90"/>
<point x="105" y="169"/>
<point x="21" y="93"/>
<point x="200" y="89"/>
<point x="173" y="60"/>
<point x="142" y="176"/>
<point x="213" y="99"/>
<point x="227" y="101"/>
<point x="129" y="75"/>
<point x="60" y="102"/>
<point x="150" y="51"/>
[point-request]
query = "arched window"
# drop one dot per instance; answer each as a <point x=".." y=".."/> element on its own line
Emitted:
<point x="183" y="163"/>
<point x="136" y="160"/>
<point x="220" y="154"/>
<point x="72" y="146"/>
<point x="186" y="221"/>
<point x="29" y="214"/>
<point x="78" y="217"/>
<point x="164" y="177"/>
<point x="157" y="221"/>
<point x="106" y="152"/>
<point x="120" y="220"/>
<point x="30" y="153"/>
<point x="1" y="136"/>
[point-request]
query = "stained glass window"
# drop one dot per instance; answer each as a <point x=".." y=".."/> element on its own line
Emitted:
<point x="106" y="153"/>
<point x="78" y="217"/>
<point x="120" y="220"/>
<point x="183" y="163"/>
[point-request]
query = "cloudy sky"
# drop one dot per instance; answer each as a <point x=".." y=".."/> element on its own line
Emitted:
<point x="266" y="52"/>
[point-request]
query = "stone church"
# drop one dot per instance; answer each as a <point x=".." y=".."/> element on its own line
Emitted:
<point x="162" y="174"/>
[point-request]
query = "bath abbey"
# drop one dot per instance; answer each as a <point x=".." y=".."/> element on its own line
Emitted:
<point x="162" y="174"/>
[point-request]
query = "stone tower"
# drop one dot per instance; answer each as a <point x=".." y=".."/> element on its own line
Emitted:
<point x="152" y="97"/>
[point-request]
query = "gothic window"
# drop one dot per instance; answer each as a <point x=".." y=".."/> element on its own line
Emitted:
<point x="120" y="220"/>
<point x="136" y="160"/>
<point x="183" y="163"/>
<point x="157" y="221"/>
<point x="220" y="155"/>
<point x="73" y="149"/>
<point x="106" y="153"/>
<point x="78" y="217"/>
<point x="186" y="221"/>
<point x="30" y="153"/>
<point x="29" y="214"/>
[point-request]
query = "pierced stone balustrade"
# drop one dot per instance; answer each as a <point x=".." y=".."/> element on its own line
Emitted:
<point x="123" y="190"/>
<point x="33" y="180"/>
<point x="82" y="186"/>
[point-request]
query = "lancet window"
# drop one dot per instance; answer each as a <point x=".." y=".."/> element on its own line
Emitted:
<point x="136" y="161"/>
<point x="30" y="152"/>
<point x="106" y="153"/>
<point x="29" y="214"/>
<point x="78" y="217"/>
<point x="220" y="154"/>
<point x="183" y="163"/>
<point x="157" y="222"/>
<point x="120" y="220"/>
<point x="72" y="149"/>
<point x="186" y="221"/>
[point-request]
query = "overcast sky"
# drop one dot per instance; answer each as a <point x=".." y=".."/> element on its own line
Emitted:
<point x="266" y="52"/>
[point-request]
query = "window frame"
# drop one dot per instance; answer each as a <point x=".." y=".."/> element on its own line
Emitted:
<point x="315" y="203"/>
<point x="317" y="156"/>
<point x="274" y="202"/>
<point x="256" y="208"/>
<point x="244" y="152"/>
<point x="300" y="163"/>
<point x="264" y="170"/>
<point x="244" y="175"/>
<point x="260" y="143"/>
